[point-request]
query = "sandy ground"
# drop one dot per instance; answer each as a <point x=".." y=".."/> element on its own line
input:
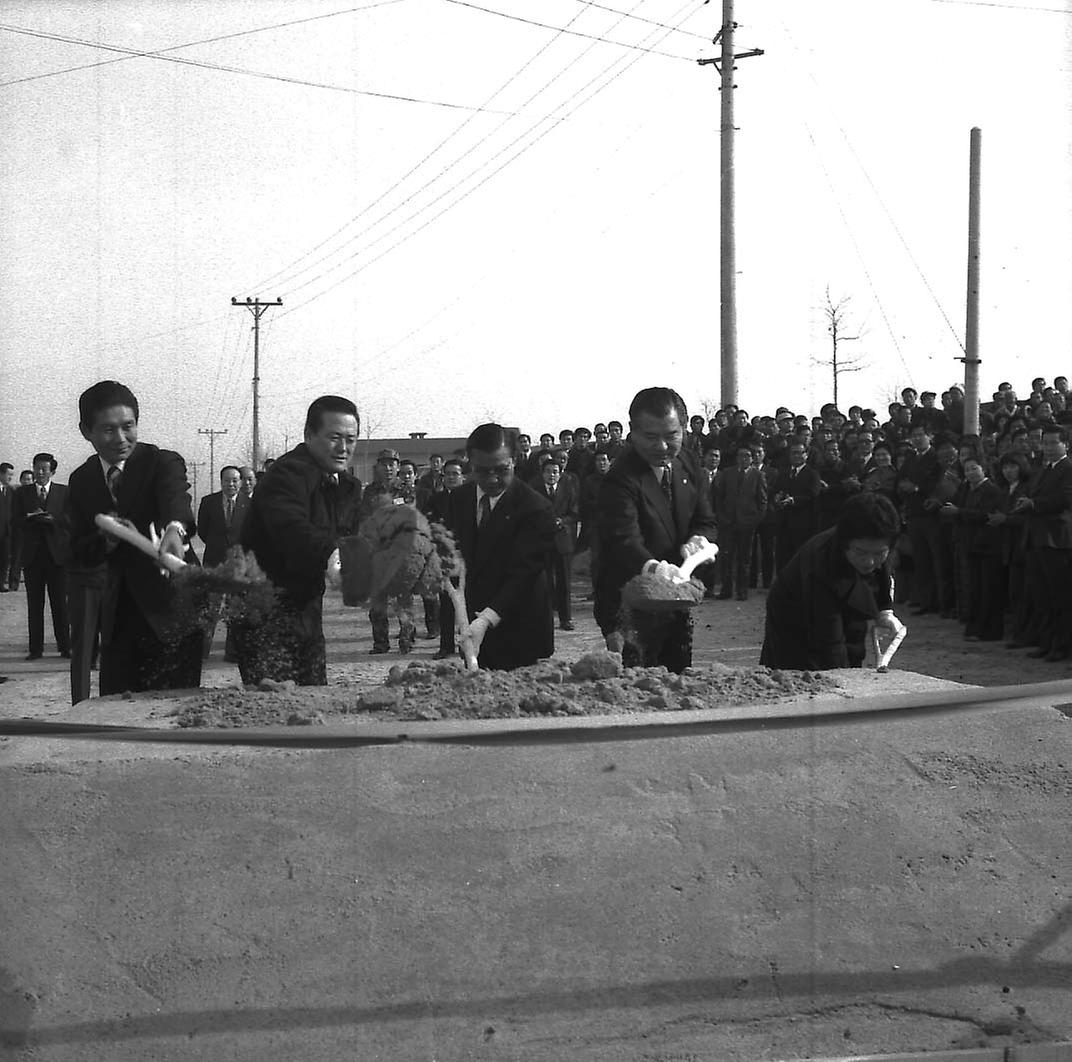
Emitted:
<point x="813" y="892"/>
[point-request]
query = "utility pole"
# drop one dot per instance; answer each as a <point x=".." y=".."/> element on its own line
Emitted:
<point x="211" y="433"/>
<point x="971" y="331"/>
<point x="192" y="467"/>
<point x="727" y="239"/>
<point x="257" y="308"/>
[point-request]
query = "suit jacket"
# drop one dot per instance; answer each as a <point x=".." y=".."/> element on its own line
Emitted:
<point x="565" y="506"/>
<point x="1049" y="522"/>
<point x="505" y="569"/>
<point x="974" y="504"/>
<point x="36" y="540"/>
<point x="818" y="608"/>
<point x="740" y="501"/>
<point x="798" y="518"/>
<point x="295" y="520"/>
<point x="153" y="489"/>
<point x="7" y="495"/>
<point x="923" y="471"/>
<point x="212" y="526"/>
<point x="636" y="523"/>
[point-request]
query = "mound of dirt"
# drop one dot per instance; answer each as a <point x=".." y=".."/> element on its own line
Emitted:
<point x="594" y="684"/>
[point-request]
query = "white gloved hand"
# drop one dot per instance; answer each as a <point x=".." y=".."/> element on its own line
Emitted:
<point x="333" y="573"/>
<point x="694" y="545"/>
<point x="478" y="628"/>
<point x="887" y="619"/>
<point x="670" y="571"/>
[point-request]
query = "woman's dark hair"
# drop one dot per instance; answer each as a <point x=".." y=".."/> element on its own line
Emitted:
<point x="869" y="515"/>
<point x="1011" y="458"/>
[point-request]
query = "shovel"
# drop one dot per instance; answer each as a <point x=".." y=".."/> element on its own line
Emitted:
<point x="883" y="657"/>
<point x="641" y="603"/>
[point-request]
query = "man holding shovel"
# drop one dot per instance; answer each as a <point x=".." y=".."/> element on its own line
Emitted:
<point x="654" y="511"/>
<point x="301" y="508"/>
<point x="147" y="643"/>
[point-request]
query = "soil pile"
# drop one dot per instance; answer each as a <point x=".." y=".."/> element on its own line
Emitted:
<point x="594" y="684"/>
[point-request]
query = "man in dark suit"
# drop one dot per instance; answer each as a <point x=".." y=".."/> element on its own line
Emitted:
<point x="219" y="526"/>
<point x="148" y="641"/>
<point x="43" y="549"/>
<point x="7" y="494"/>
<point x="505" y="531"/>
<point x="919" y="477"/>
<point x="795" y="491"/>
<point x="654" y="511"/>
<point x="302" y="506"/>
<point x="1047" y="512"/>
<point x="740" y="497"/>
<point x="563" y="494"/>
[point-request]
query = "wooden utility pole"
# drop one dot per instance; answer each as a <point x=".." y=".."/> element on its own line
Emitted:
<point x="971" y="329"/>
<point x="257" y="308"/>
<point x="211" y="433"/>
<point x="728" y="237"/>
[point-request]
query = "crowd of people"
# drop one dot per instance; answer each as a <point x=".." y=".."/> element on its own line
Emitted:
<point x="842" y="516"/>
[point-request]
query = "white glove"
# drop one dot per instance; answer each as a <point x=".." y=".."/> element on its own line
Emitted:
<point x="477" y="629"/>
<point x="887" y="619"/>
<point x="333" y="574"/>
<point x="694" y="545"/>
<point x="666" y="570"/>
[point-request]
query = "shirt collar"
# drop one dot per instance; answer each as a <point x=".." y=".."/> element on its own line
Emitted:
<point x="105" y="465"/>
<point x="492" y="501"/>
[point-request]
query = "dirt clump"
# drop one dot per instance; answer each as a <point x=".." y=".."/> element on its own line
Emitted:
<point x="594" y="684"/>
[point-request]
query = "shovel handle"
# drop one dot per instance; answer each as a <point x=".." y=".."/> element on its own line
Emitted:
<point x="133" y="537"/>
<point x="694" y="560"/>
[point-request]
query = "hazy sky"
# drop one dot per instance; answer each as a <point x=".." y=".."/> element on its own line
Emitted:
<point x="531" y="235"/>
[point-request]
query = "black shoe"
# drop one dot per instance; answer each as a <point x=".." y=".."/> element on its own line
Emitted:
<point x="33" y="656"/>
<point x="3" y="678"/>
<point x="742" y="597"/>
<point x="723" y="596"/>
<point x="377" y="649"/>
<point x="924" y="611"/>
<point x="66" y="654"/>
<point x="567" y="626"/>
<point x="1055" y="655"/>
<point x="230" y="658"/>
<point x="1040" y="653"/>
<point x="444" y="654"/>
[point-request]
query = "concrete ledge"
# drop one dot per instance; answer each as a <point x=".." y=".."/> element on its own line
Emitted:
<point x="1057" y="1052"/>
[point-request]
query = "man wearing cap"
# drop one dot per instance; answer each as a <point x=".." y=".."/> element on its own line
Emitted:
<point x="384" y="488"/>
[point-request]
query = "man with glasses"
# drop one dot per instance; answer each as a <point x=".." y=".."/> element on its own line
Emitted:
<point x="505" y="531"/>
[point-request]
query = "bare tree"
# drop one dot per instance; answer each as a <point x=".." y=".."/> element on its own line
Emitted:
<point x="836" y="314"/>
<point x="709" y="407"/>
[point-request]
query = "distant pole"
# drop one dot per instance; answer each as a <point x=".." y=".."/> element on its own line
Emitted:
<point x="971" y="329"/>
<point x="727" y="232"/>
<point x="257" y="308"/>
<point x="211" y="433"/>
<point x="193" y="466"/>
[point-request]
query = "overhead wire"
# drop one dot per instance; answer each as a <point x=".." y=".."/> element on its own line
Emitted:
<point x="528" y="132"/>
<point x="63" y="39"/>
<point x="651" y="22"/>
<point x="628" y="65"/>
<point x="572" y="33"/>
<point x="882" y="204"/>
<point x="409" y="173"/>
<point x="194" y="44"/>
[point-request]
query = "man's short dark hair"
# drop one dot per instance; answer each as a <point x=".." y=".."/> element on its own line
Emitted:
<point x="868" y="515"/>
<point x="5" y="465"/>
<point x="548" y="459"/>
<point x="329" y="404"/>
<point x="615" y="424"/>
<point x="103" y="395"/>
<point x="456" y="461"/>
<point x="659" y="402"/>
<point x="406" y="461"/>
<point x="440" y="456"/>
<point x="52" y="462"/>
<point x="490" y="437"/>
<point x="229" y="468"/>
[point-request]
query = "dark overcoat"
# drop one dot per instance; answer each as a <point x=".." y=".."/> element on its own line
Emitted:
<point x="819" y="606"/>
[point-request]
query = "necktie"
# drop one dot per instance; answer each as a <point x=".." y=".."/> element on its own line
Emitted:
<point x="114" y="474"/>
<point x="43" y="495"/>
<point x="485" y="511"/>
<point x="667" y="484"/>
<point x="228" y="510"/>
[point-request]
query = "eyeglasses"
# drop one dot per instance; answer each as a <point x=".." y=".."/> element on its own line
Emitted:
<point x="877" y="555"/>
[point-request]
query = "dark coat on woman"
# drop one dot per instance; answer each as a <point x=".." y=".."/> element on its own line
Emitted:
<point x="819" y="607"/>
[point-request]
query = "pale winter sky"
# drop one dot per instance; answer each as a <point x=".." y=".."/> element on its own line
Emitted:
<point x="531" y="234"/>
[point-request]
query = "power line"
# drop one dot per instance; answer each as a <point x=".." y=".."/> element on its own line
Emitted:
<point x="705" y="37"/>
<point x="194" y="44"/>
<point x="1009" y="7"/>
<point x="413" y="169"/>
<point x="235" y="70"/>
<point x="498" y="170"/>
<point x="420" y="210"/>
<point x="573" y="33"/>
